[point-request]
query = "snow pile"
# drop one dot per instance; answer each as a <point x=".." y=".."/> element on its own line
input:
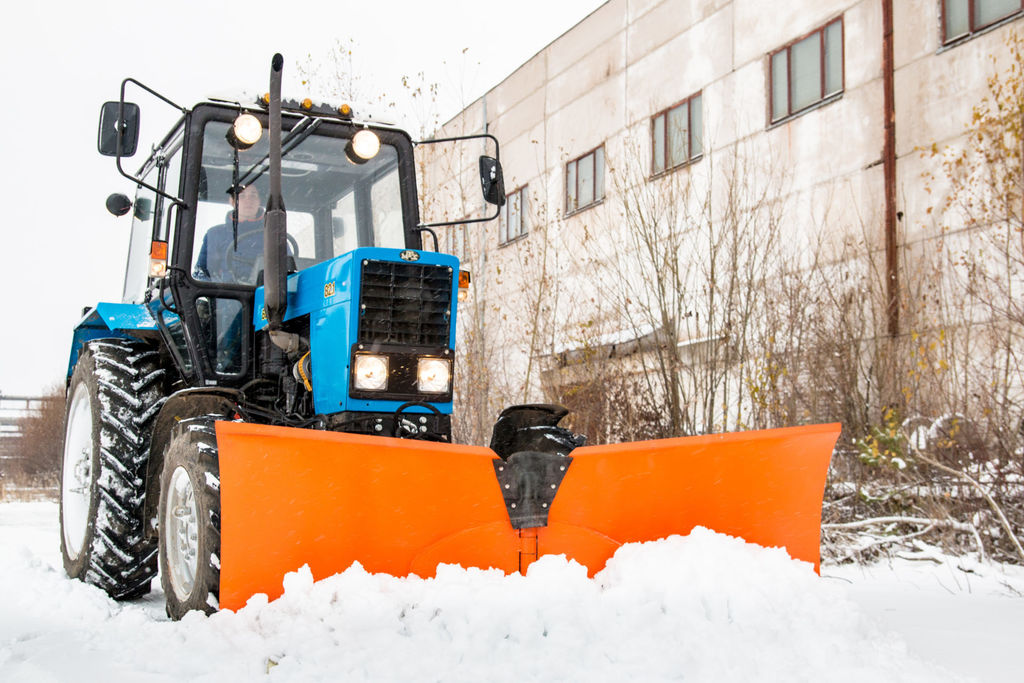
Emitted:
<point x="705" y="607"/>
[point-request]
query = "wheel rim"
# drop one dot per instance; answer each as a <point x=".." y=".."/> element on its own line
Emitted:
<point x="182" y="534"/>
<point x="76" y="474"/>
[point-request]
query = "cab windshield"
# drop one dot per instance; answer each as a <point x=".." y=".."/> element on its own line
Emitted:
<point x="333" y="204"/>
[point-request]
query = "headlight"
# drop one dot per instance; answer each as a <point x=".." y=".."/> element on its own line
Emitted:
<point x="371" y="373"/>
<point x="245" y="132"/>
<point x="433" y="376"/>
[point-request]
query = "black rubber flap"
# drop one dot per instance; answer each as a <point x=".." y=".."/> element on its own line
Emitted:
<point x="529" y="481"/>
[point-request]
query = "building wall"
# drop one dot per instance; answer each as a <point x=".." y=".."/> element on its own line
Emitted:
<point x="602" y="81"/>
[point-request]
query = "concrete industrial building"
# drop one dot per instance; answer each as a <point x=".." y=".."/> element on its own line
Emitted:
<point x="834" y="99"/>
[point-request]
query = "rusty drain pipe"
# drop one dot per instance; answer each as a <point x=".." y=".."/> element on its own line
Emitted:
<point x="892" y="283"/>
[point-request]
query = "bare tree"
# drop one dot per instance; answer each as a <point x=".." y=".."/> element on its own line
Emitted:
<point x="682" y="275"/>
<point x="982" y="216"/>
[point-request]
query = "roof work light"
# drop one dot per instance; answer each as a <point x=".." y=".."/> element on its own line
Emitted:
<point x="363" y="146"/>
<point x="245" y="132"/>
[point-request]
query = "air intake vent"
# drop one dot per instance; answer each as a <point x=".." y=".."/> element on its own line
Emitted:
<point x="405" y="303"/>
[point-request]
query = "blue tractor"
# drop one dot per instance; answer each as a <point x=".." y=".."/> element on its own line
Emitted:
<point x="338" y="320"/>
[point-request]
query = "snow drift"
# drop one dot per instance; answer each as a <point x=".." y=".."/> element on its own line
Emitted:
<point x="704" y="607"/>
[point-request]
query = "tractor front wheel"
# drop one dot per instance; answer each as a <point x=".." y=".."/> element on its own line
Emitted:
<point x="113" y="398"/>
<point x="190" y="519"/>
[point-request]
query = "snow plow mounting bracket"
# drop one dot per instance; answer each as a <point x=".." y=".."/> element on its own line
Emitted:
<point x="529" y="481"/>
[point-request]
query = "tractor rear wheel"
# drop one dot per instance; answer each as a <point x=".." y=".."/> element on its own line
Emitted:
<point x="190" y="519"/>
<point x="114" y="395"/>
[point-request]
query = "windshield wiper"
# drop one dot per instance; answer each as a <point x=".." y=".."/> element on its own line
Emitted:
<point x="302" y="130"/>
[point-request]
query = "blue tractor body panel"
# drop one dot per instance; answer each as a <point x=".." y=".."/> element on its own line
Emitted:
<point x="109" y="320"/>
<point x="327" y="293"/>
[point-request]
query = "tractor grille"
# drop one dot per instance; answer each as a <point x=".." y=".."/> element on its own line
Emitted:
<point x="405" y="303"/>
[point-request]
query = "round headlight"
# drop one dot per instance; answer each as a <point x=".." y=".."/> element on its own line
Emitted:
<point x="365" y="144"/>
<point x="247" y="130"/>
<point x="371" y="373"/>
<point x="433" y="376"/>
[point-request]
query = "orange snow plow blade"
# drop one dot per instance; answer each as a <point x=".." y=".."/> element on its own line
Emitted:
<point x="291" y="497"/>
<point x="763" y="486"/>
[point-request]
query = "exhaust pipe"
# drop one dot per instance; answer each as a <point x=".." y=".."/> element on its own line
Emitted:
<point x="275" y="250"/>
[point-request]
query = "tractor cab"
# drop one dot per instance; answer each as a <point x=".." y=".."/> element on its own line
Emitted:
<point x="340" y="183"/>
<point x="199" y="243"/>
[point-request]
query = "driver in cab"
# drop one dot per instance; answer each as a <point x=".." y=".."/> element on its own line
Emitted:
<point x="220" y="258"/>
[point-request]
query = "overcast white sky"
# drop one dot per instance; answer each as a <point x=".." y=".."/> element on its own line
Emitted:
<point x="59" y="249"/>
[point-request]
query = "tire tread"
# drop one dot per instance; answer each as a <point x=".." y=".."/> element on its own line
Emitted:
<point x="119" y="558"/>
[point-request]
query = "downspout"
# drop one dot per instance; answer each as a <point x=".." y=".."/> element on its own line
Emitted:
<point x="889" y="169"/>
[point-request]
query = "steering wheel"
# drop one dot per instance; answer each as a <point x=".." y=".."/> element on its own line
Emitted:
<point x="242" y="265"/>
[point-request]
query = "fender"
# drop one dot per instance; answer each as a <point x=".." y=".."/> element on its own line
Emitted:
<point x="180" y="405"/>
<point x="109" y="320"/>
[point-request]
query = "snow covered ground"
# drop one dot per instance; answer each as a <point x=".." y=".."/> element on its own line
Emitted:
<point x="701" y="608"/>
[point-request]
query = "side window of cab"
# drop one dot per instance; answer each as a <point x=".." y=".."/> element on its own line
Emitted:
<point x="152" y="226"/>
<point x="136" y="277"/>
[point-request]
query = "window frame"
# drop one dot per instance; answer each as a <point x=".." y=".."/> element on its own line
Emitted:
<point x="822" y="63"/>
<point x="972" y="30"/>
<point x="570" y="210"/>
<point x="690" y="157"/>
<point x="504" y="236"/>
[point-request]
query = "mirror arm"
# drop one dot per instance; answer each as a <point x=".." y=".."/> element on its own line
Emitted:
<point x="459" y="138"/>
<point x="424" y="226"/>
<point x="120" y="118"/>
<point x="176" y="201"/>
<point x="152" y="92"/>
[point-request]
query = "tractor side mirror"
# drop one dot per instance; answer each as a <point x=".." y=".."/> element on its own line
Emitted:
<point x="143" y="208"/>
<point x="118" y="204"/>
<point x="491" y="181"/>
<point x="112" y="129"/>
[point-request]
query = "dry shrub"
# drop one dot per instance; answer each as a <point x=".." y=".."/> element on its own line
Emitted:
<point x="35" y="457"/>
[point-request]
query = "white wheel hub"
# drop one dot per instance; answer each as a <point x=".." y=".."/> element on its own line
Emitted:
<point x="76" y="476"/>
<point x="181" y="533"/>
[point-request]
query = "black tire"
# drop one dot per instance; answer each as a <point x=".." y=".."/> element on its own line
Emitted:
<point x="119" y="387"/>
<point x="190" y="567"/>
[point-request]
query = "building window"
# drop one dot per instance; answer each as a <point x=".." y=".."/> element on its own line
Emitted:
<point x="963" y="17"/>
<point x="513" y="215"/>
<point x="584" y="181"/>
<point x="807" y="71"/>
<point x="677" y="135"/>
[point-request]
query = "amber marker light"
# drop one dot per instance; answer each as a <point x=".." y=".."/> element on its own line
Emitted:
<point x="307" y="104"/>
<point x="464" y="280"/>
<point x="157" y="258"/>
<point x="345" y="110"/>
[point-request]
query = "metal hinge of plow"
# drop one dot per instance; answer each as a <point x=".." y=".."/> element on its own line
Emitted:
<point x="529" y="481"/>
